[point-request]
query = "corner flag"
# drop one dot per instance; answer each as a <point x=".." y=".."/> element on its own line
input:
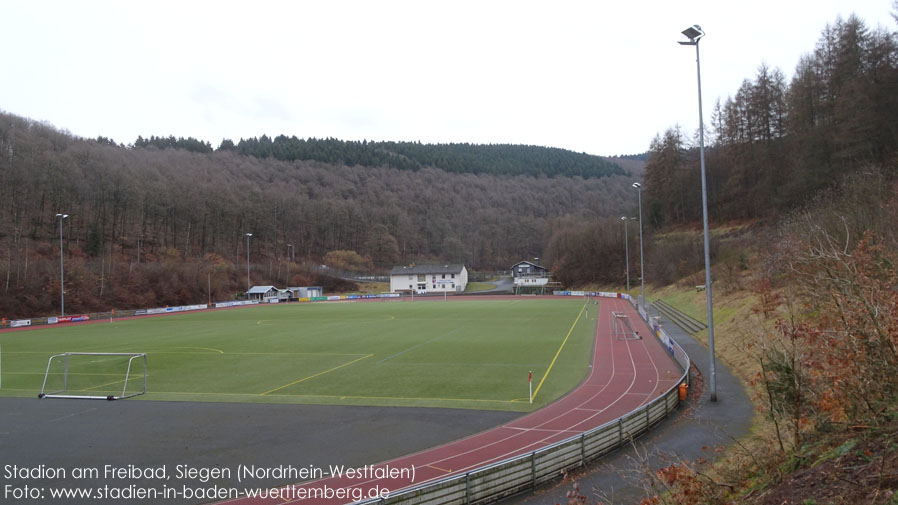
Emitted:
<point x="530" y="385"/>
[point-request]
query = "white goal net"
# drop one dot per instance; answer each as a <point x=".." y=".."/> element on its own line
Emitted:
<point x="621" y="327"/>
<point x="95" y="375"/>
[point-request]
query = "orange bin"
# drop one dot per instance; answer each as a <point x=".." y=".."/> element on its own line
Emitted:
<point x="683" y="388"/>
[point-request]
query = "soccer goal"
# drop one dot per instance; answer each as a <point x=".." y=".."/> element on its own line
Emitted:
<point x="95" y="375"/>
<point x="623" y="330"/>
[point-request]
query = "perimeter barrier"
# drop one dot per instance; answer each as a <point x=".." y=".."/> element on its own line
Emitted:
<point x="527" y="471"/>
<point x="120" y="314"/>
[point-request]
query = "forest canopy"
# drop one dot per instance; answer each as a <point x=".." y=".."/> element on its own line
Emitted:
<point x="495" y="159"/>
<point x="777" y="142"/>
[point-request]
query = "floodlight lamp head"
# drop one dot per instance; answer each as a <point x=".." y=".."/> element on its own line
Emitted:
<point x="249" y="234"/>
<point x="637" y="185"/>
<point x="693" y="33"/>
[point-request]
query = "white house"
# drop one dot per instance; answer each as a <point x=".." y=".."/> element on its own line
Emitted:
<point x="423" y="279"/>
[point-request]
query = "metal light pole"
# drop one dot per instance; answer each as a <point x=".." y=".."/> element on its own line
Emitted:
<point x="61" y="270"/>
<point x="627" y="250"/>
<point x="289" y="250"/>
<point x="694" y="33"/>
<point x="641" y="260"/>
<point x="248" y="236"/>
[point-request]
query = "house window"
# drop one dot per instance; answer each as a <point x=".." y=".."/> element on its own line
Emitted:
<point x="444" y="276"/>
<point x="453" y="285"/>
<point x="410" y="286"/>
<point x="422" y="278"/>
<point x="453" y="276"/>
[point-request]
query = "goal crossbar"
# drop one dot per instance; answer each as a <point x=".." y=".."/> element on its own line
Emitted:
<point x="63" y="393"/>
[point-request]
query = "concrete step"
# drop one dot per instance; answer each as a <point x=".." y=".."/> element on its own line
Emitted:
<point x="687" y="323"/>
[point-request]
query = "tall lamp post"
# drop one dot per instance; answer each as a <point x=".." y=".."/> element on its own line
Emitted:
<point x="627" y="250"/>
<point x="292" y="257"/>
<point x="641" y="260"/>
<point x="248" y="236"/>
<point x="61" y="270"/>
<point x="694" y="33"/>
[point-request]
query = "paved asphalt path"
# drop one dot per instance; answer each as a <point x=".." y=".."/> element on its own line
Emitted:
<point x="501" y="285"/>
<point x="701" y="423"/>
<point x="71" y="434"/>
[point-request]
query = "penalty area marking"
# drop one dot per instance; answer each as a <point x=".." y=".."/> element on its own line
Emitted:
<point x="340" y="397"/>
<point x="557" y="353"/>
<point x="316" y="375"/>
<point x="219" y="351"/>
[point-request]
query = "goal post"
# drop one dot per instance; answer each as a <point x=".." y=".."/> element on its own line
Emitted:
<point x="95" y="375"/>
<point x="622" y="328"/>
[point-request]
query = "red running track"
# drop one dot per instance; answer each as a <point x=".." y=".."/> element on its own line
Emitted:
<point x="625" y="375"/>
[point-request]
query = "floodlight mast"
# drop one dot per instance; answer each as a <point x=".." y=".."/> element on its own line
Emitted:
<point x="248" y="236"/>
<point x="638" y="187"/>
<point x="694" y="33"/>
<point x="61" y="269"/>
<point x="627" y="250"/>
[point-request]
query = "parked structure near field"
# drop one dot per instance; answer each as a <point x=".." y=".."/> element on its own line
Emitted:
<point x="424" y="279"/>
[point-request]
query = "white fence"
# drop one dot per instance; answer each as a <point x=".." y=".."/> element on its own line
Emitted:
<point x="525" y="472"/>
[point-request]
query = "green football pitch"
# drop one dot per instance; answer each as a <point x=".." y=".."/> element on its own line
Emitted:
<point x="462" y="354"/>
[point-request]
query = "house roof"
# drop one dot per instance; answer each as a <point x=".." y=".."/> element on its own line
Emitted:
<point x="260" y="289"/>
<point x="529" y="263"/>
<point x="427" y="269"/>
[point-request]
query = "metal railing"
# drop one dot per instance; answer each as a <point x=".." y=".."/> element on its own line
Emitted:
<point x="527" y="471"/>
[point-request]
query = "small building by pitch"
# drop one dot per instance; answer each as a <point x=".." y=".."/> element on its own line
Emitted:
<point x="262" y="293"/>
<point x="305" y="292"/>
<point x="424" y="279"/>
<point x="529" y="278"/>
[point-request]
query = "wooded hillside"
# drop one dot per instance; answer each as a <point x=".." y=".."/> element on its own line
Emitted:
<point x="181" y="206"/>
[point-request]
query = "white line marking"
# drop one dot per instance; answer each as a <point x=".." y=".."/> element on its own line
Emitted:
<point x="71" y="415"/>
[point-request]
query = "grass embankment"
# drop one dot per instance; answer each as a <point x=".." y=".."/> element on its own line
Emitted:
<point x="473" y="287"/>
<point x="371" y="288"/>
<point x="734" y="322"/>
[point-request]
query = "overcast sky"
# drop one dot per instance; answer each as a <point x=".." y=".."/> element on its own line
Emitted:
<point x="589" y="76"/>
